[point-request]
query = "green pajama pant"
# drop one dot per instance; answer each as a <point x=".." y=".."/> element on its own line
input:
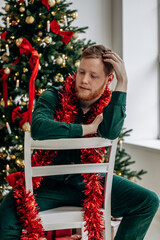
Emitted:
<point x="134" y="203"/>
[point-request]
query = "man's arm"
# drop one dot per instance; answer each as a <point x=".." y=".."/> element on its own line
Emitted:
<point x="43" y="126"/>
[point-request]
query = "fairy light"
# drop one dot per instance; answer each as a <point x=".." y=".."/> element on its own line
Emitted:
<point x="17" y="83"/>
<point x="26" y="2"/>
<point x="48" y="26"/>
<point x="8" y="128"/>
<point x="7" y="22"/>
<point x="7" y="169"/>
<point x="7" y="50"/>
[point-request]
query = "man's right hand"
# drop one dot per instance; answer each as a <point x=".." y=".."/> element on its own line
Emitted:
<point x="92" y="127"/>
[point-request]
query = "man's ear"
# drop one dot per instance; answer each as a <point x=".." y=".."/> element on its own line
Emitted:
<point x="110" y="78"/>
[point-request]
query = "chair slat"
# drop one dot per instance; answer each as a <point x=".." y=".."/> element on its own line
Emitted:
<point x="69" y="169"/>
<point x="70" y="143"/>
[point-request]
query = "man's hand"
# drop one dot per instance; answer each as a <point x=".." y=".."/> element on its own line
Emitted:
<point x="119" y="68"/>
<point x="92" y="128"/>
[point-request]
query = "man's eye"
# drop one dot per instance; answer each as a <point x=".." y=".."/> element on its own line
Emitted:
<point x="81" y="72"/>
<point x="93" y="76"/>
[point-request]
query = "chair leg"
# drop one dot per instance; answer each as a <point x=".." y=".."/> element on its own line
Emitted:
<point x="84" y="233"/>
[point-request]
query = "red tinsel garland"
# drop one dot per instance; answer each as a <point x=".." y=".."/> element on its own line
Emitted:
<point x="27" y="208"/>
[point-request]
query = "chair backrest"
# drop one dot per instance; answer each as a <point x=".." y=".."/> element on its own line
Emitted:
<point x="70" y="143"/>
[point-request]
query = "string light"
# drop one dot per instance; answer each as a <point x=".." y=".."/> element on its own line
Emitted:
<point x="8" y="128"/>
<point x="7" y="22"/>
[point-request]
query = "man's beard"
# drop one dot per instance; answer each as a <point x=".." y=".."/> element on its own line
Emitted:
<point x="90" y="96"/>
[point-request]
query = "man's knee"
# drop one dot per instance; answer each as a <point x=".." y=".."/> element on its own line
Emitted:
<point x="153" y="202"/>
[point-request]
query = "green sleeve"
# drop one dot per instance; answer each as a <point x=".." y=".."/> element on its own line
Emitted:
<point x="42" y="124"/>
<point x="113" y="116"/>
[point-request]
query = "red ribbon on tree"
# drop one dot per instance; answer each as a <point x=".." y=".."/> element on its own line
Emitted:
<point x="4" y="79"/>
<point x="3" y="35"/>
<point x="45" y="3"/>
<point x="26" y="48"/>
<point x="23" y="116"/>
<point x="55" y="28"/>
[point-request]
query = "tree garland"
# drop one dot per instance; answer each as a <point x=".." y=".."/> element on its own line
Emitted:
<point x="27" y="208"/>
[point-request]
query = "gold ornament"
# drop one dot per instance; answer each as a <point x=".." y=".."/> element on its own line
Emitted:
<point x="71" y="47"/>
<point x="75" y="36"/>
<point x="12" y="156"/>
<point x="5" y="58"/>
<point x="74" y="15"/>
<point x="58" y="1"/>
<point x="7" y="7"/>
<point x="19" y="41"/>
<point x="61" y="78"/>
<point x="40" y="55"/>
<point x="17" y="74"/>
<point x="16" y="137"/>
<point x="23" y="103"/>
<point x="59" y="60"/>
<point x="40" y="34"/>
<point x="7" y="70"/>
<point x="9" y="102"/>
<point x="133" y="179"/>
<point x="26" y="127"/>
<point x="25" y="70"/>
<point x="51" y="3"/>
<point x="77" y="63"/>
<point x="2" y="103"/>
<point x="22" y="9"/>
<point x="53" y="13"/>
<point x="29" y="20"/>
<point x="48" y="40"/>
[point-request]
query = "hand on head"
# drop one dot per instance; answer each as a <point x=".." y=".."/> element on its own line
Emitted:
<point x="119" y="68"/>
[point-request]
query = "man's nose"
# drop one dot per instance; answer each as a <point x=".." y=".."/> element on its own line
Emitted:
<point x="85" y="79"/>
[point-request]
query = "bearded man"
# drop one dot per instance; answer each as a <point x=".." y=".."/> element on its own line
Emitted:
<point x="82" y="107"/>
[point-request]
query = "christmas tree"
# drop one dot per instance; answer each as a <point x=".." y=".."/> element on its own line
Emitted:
<point x="39" y="47"/>
<point x="123" y="160"/>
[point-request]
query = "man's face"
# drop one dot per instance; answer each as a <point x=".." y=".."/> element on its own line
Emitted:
<point x="90" y="80"/>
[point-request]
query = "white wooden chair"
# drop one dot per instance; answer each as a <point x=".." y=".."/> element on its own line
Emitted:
<point x="71" y="217"/>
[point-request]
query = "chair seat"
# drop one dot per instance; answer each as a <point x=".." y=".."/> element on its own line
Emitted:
<point x="62" y="218"/>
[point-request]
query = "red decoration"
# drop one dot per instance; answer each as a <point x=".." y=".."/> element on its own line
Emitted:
<point x="23" y="116"/>
<point x="27" y="207"/>
<point x="55" y="28"/>
<point x="3" y="35"/>
<point x="4" y="79"/>
<point x="26" y="48"/>
<point x="45" y="3"/>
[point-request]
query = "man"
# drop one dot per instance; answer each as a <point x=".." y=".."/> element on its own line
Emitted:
<point x="135" y="204"/>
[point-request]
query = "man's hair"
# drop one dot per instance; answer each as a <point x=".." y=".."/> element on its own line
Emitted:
<point x="97" y="51"/>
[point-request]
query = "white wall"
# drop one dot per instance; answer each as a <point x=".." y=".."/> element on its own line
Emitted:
<point x="96" y="14"/>
<point x="148" y="160"/>
<point x="140" y="53"/>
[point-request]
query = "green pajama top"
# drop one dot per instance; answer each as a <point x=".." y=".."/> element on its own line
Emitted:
<point x="44" y="127"/>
